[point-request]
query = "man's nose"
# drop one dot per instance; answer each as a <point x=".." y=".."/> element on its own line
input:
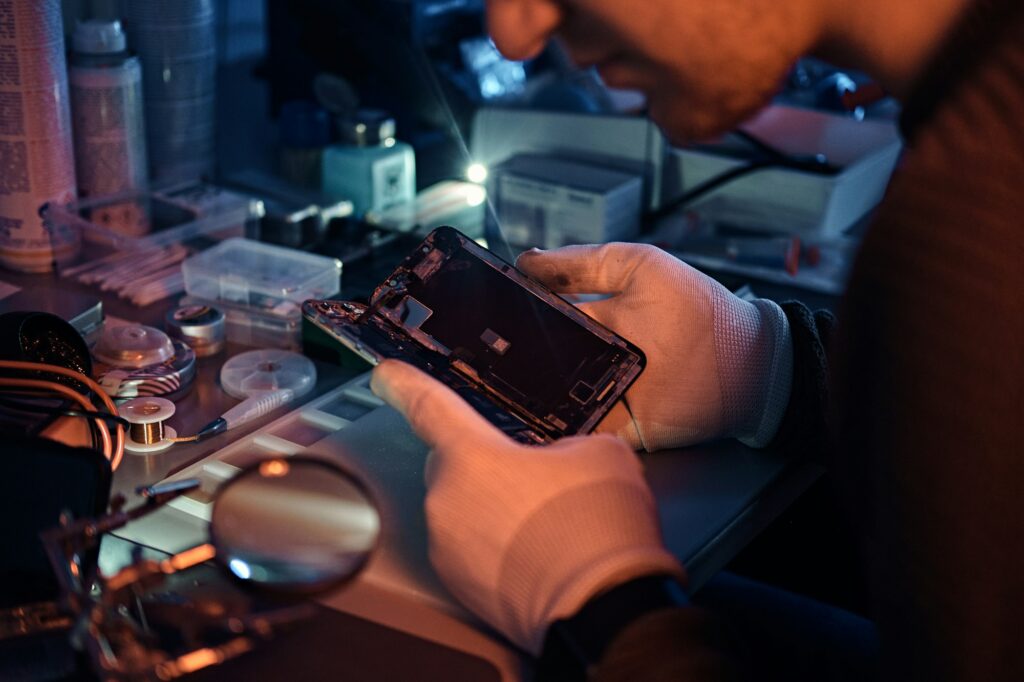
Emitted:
<point x="521" y="28"/>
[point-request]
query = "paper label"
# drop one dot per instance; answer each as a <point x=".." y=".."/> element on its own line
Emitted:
<point x="36" y="160"/>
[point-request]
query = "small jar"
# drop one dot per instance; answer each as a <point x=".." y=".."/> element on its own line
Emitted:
<point x="371" y="168"/>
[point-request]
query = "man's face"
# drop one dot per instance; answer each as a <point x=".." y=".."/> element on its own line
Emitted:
<point x="704" y="65"/>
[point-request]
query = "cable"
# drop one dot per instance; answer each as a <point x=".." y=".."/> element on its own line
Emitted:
<point x="708" y="186"/>
<point x="772" y="158"/>
<point x="20" y="408"/>
<point x="117" y="453"/>
<point x="111" y="419"/>
<point x="121" y="433"/>
<point x="810" y="163"/>
<point x="54" y="387"/>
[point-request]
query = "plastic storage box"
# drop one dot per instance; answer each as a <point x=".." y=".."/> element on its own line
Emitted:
<point x="141" y="220"/>
<point x="267" y="278"/>
<point x="260" y="288"/>
<point x="249" y="326"/>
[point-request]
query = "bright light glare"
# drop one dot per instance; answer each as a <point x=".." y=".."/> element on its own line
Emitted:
<point x="273" y="468"/>
<point x="476" y="172"/>
<point x="475" y="196"/>
<point x="240" y="568"/>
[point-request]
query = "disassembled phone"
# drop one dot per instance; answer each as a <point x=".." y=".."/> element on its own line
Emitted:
<point x="529" y="361"/>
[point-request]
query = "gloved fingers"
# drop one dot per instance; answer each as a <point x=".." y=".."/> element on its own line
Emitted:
<point x="441" y="418"/>
<point x="601" y="453"/>
<point x="604" y="269"/>
<point x="619" y="422"/>
<point x="430" y="469"/>
<point x="603" y="311"/>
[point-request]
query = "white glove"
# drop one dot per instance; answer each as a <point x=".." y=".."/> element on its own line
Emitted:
<point x="717" y="366"/>
<point x="524" y="535"/>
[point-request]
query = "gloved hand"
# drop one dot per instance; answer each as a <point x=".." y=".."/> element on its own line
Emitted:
<point x="717" y="366"/>
<point x="524" y="535"/>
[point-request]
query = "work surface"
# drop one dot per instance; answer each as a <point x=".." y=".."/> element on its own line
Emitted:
<point x="712" y="500"/>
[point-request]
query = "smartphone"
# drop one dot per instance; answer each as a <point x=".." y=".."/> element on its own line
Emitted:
<point x="529" y="361"/>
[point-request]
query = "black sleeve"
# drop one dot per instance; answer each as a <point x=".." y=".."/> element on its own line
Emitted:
<point x="642" y="629"/>
<point x="684" y="643"/>
<point x="803" y="429"/>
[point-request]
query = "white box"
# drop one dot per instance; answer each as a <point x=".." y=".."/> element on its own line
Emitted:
<point x="631" y="144"/>
<point x="792" y="201"/>
<point x="549" y="202"/>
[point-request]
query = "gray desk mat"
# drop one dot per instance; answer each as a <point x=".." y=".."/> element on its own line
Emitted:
<point x="711" y="498"/>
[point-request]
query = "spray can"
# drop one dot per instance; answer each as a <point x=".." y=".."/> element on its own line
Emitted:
<point x="106" y="108"/>
<point x="36" y="160"/>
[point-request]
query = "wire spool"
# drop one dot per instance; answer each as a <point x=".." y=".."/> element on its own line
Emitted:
<point x="46" y="338"/>
<point x="148" y="433"/>
<point x="133" y="346"/>
<point x="257" y="371"/>
<point x="169" y="379"/>
<point x="200" y="326"/>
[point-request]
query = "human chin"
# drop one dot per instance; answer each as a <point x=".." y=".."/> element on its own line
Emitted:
<point x="686" y="119"/>
<point x="683" y="121"/>
<point x="618" y="72"/>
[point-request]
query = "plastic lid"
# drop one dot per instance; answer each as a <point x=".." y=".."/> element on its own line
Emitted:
<point x="133" y="345"/>
<point x="257" y="371"/>
<point x="266" y="278"/>
<point x="98" y="36"/>
<point x="367" y="128"/>
<point x="146" y="410"/>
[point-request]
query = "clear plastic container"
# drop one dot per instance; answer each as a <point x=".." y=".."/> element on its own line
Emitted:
<point x="248" y="326"/>
<point x="173" y="214"/>
<point x="269" y="279"/>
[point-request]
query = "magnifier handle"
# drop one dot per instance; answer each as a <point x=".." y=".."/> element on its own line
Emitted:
<point x="256" y="406"/>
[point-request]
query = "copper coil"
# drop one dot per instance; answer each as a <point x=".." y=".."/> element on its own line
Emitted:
<point x="147" y="433"/>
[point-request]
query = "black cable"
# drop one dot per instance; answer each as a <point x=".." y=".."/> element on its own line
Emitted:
<point x="20" y="409"/>
<point x="111" y="419"/>
<point x="708" y="186"/>
<point x="759" y="144"/>
<point x="809" y="163"/>
<point x="771" y="157"/>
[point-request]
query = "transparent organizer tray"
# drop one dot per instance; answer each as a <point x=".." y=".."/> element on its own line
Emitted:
<point x="140" y="220"/>
<point x="288" y="435"/>
<point x="267" y="278"/>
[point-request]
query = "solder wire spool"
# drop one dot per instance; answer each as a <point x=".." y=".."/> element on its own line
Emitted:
<point x="143" y="361"/>
<point x="148" y="433"/>
<point x="133" y="346"/>
<point x="200" y="326"/>
<point x="168" y="379"/>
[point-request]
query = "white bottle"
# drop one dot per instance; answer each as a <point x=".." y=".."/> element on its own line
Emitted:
<point x="106" y="108"/>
